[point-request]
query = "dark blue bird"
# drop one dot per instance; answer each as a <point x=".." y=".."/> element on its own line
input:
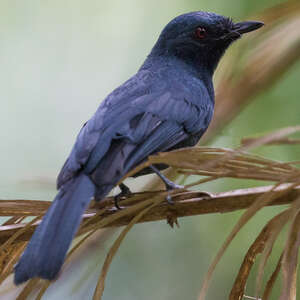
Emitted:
<point x="168" y="104"/>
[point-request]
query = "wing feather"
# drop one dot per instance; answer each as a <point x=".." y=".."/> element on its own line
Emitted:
<point x="152" y="122"/>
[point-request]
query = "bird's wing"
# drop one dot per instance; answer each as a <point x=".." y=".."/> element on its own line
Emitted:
<point x="164" y="136"/>
<point x="98" y="132"/>
<point x="163" y="124"/>
<point x="151" y="122"/>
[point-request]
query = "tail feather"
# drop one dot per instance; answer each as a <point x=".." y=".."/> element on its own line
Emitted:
<point x="46" y="251"/>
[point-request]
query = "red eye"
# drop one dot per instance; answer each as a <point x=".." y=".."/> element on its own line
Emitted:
<point x="200" y="33"/>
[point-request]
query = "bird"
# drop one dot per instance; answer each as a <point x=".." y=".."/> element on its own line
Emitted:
<point x="168" y="104"/>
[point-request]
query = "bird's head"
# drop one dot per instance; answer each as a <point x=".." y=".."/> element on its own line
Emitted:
<point x="200" y="37"/>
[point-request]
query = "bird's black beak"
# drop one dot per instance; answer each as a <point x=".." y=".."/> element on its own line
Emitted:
<point x="244" y="27"/>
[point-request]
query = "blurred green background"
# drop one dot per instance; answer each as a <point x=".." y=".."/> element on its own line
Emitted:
<point x="59" y="59"/>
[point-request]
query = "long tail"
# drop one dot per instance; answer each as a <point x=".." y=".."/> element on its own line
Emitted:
<point x="46" y="251"/>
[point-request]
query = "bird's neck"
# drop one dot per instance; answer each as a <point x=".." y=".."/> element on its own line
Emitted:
<point x="200" y="64"/>
<point x="203" y="61"/>
<point x="163" y="64"/>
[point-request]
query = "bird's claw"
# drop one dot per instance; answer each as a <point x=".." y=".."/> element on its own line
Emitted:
<point x="116" y="201"/>
<point x="172" y="186"/>
<point x="125" y="191"/>
<point x="169" y="199"/>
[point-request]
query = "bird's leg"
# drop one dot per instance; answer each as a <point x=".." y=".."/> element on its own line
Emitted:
<point x="125" y="191"/>
<point x="168" y="183"/>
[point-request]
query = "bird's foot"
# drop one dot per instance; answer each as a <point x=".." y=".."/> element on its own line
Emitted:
<point x="125" y="192"/>
<point x="170" y="185"/>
